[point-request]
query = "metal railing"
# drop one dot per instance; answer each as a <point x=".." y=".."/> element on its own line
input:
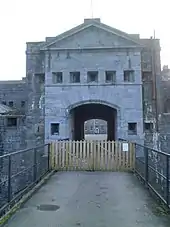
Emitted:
<point x="153" y="167"/>
<point x="19" y="172"/>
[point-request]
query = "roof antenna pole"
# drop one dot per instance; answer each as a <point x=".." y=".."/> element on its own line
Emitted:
<point x="154" y="34"/>
<point x="92" y="9"/>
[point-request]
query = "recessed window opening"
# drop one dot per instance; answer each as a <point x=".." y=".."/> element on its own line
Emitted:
<point x="75" y="77"/>
<point x="92" y="76"/>
<point x="12" y="122"/>
<point x="132" y="128"/>
<point x="55" y="129"/>
<point x="129" y="76"/>
<point x="57" y="77"/>
<point x="110" y="76"/>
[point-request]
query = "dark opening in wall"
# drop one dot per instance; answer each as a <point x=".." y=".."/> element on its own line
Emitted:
<point x="11" y="121"/>
<point x="22" y="103"/>
<point x="75" y="77"/>
<point x="132" y="128"/>
<point x="167" y="106"/>
<point x="57" y="77"/>
<point x="4" y="102"/>
<point x="110" y="76"/>
<point x="39" y="78"/>
<point x="149" y="127"/>
<point x="146" y="76"/>
<point x="11" y="103"/>
<point x="92" y="76"/>
<point x="55" y="128"/>
<point x="129" y="76"/>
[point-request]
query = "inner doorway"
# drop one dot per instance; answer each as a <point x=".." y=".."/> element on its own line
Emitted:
<point x="82" y="113"/>
<point x="95" y="129"/>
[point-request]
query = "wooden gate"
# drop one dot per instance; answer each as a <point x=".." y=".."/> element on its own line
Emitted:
<point x="92" y="155"/>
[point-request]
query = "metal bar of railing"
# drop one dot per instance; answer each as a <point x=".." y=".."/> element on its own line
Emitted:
<point x="167" y="180"/>
<point x="146" y="166"/>
<point x="49" y="156"/>
<point x="22" y="151"/>
<point x="35" y="164"/>
<point x="19" y="174"/>
<point x="157" y="172"/>
<point x="158" y="162"/>
<point x="9" y="179"/>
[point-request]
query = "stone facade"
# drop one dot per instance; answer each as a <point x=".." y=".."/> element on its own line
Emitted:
<point x="164" y="118"/>
<point x="13" y="98"/>
<point x="52" y="88"/>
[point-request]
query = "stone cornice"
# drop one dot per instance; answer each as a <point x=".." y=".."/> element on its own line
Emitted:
<point x="121" y="48"/>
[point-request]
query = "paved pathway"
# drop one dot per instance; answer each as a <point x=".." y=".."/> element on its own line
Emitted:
<point x="90" y="199"/>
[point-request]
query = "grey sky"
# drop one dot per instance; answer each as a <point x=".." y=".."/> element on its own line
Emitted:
<point x="33" y="20"/>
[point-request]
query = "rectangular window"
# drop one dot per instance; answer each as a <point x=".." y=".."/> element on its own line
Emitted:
<point x="110" y="76"/>
<point x="132" y="128"/>
<point x="12" y="122"/>
<point x="4" y="102"/>
<point x="146" y="76"/>
<point x="22" y="103"/>
<point x="57" y="77"/>
<point x="149" y="127"/>
<point x="11" y="103"/>
<point x="129" y="76"/>
<point x="55" y="129"/>
<point x="74" y="77"/>
<point x="92" y="76"/>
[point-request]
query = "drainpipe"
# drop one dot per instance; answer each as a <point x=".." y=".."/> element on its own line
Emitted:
<point x="154" y="84"/>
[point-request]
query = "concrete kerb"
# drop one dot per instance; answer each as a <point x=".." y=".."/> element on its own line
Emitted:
<point x="8" y="215"/>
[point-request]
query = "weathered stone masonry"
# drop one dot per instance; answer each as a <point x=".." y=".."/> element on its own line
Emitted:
<point x="91" y="46"/>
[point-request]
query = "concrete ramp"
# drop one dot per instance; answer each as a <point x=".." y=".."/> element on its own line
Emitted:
<point x="90" y="199"/>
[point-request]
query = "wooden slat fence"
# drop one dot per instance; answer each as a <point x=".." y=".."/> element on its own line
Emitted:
<point x="92" y="155"/>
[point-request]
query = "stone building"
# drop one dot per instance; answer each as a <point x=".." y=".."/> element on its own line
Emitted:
<point x="91" y="71"/>
<point x="164" y="118"/>
<point x="13" y="98"/>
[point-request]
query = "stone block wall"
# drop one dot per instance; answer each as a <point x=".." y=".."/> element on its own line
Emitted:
<point x="14" y="95"/>
<point x="46" y="102"/>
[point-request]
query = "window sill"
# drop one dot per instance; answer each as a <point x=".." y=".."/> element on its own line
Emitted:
<point x="11" y="127"/>
<point x="132" y="134"/>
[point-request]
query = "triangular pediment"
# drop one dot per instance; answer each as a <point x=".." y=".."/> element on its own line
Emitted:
<point x="92" y="35"/>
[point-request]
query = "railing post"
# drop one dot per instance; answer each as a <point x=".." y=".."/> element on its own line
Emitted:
<point x="49" y="154"/>
<point x="9" y="178"/>
<point x="167" y="180"/>
<point x="146" y="165"/>
<point x="134" y="152"/>
<point x="35" y="165"/>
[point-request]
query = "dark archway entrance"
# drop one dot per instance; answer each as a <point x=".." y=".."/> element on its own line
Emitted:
<point x="85" y="112"/>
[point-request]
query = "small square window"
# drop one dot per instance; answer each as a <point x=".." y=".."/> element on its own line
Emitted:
<point x="75" y="77"/>
<point x="145" y="65"/>
<point x="22" y="103"/>
<point x="55" y="129"/>
<point x="92" y="76"/>
<point x="149" y="127"/>
<point x="110" y="76"/>
<point x="12" y="122"/>
<point x="4" y="102"/>
<point x="146" y="76"/>
<point x="57" y="77"/>
<point x="11" y="103"/>
<point x="129" y="76"/>
<point x="132" y="128"/>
